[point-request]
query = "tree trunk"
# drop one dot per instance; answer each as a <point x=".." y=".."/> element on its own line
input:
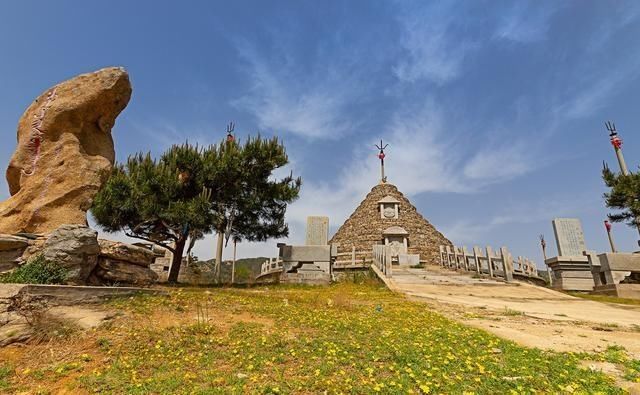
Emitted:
<point x="176" y="262"/>
<point x="219" y="255"/>
<point x="233" y="266"/>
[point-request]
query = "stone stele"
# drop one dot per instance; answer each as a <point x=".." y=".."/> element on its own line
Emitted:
<point x="569" y="236"/>
<point x="317" y="231"/>
<point x="64" y="153"/>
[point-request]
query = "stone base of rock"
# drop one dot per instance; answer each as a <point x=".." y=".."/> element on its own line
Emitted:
<point x="625" y="291"/>
<point x="571" y="273"/>
<point x="89" y="261"/>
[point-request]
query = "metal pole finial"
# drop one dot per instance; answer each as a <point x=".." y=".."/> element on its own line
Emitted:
<point x="230" y="128"/>
<point x="381" y="156"/>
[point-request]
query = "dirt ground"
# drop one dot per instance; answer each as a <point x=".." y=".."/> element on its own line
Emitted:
<point x="529" y="315"/>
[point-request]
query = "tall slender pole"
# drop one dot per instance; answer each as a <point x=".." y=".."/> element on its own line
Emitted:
<point x="616" y="142"/>
<point x="233" y="264"/>
<point x="219" y="247"/>
<point x="381" y="156"/>
<point x="543" y="244"/>
<point x="607" y="226"/>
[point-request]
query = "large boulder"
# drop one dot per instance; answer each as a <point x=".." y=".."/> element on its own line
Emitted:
<point x="114" y="271"/>
<point x="75" y="248"/>
<point x="11" y="250"/>
<point x="126" y="252"/>
<point x="64" y="152"/>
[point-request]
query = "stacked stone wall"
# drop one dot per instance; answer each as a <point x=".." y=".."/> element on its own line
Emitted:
<point x="365" y="226"/>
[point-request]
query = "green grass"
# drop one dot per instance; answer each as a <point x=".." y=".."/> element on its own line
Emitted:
<point x="606" y="298"/>
<point x="347" y="338"/>
<point x="5" y="373"/>
<point x="511" y="312"/>
<point x="37" y="270"/>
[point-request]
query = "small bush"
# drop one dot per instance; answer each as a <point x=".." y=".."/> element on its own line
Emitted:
<point x="37" y="270"/>
<point x="242" y="275"/>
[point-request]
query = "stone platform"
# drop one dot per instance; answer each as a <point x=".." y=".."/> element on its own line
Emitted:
<point x="571" y="273"/>
<point x="625" y="291"/>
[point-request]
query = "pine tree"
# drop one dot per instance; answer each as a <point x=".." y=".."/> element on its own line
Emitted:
<point x="248" y="203"/>
<point x="161" y="201"/>
<point x="189" y="192"/>
<point x="623" y="196"/>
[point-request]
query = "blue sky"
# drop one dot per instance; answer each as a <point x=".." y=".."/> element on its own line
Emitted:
<point x="493" y="110"/>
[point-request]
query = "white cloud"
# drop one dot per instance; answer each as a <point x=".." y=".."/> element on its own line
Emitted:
<point x="524" y="213"/>
<point x="499" y="163"/>
<point x="595" y="93"/>
<point x="284" y="98"/>
<point x="526" y="22"/>
<point x="430" y="51"/>
<point x="422" y="157"/>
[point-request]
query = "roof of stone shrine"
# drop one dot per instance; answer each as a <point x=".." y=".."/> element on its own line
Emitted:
<point x="388" y="199"/>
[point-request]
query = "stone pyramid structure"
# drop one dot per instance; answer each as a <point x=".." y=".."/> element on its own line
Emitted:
<point x="384" y="215"/>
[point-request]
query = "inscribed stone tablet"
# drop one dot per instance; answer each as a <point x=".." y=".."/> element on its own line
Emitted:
<point x="317" y="231"/>
<point x="569" y="236"/>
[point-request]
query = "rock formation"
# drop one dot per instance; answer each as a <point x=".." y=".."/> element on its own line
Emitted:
<point x="65" y="151"/>
<point x="366" y="225"/>
<point x="11" y="250"/>
<point x="87" y="259"/>
<point x="124" y="264"/>
<point x="75" y="248"/>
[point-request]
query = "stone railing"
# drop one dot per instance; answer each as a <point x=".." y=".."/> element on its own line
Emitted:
<point x="382" y="259"/>
<point x="352" y="260"/>
<point x="493" y="263"/>
<point x="271" y="265"/>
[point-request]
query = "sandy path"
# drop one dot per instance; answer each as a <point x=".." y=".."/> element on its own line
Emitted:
<point x="530" y="315"/>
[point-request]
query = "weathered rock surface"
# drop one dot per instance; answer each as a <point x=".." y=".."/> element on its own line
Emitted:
<point x="126" y="252"/>
<point x="9" y="242"/>
<point x="64" y="152"/>
<point x="124" y="272"/>
<point x="11" y="250"/>
<point x="74" y="247"/>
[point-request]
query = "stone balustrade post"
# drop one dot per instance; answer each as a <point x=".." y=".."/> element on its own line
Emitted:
<point x="476" y="258"/>
<point x="507" y="264"/>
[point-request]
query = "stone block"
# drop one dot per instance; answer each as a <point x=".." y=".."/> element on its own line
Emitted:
<point x="309" y="278"/>
<point x="123" y="272"/>
<point x="620" y="261"/>
<point x="317" y="231"/>
<point x="306" y="253"/>
<point x="569" y="236"/>
<point x="126" y="252"/>
<point x="626" y="291"/>
<point x="408" y="259"/>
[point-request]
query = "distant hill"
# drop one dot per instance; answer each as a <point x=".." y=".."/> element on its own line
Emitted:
<point x="247" y="269"/>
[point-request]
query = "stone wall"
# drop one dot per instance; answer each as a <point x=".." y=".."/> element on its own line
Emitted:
<point x="364" y="227"/>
